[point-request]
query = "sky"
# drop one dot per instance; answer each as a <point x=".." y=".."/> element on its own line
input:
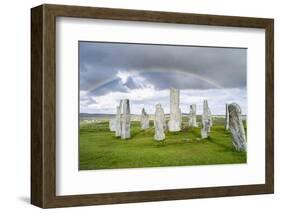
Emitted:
<point x="144" y="74"/>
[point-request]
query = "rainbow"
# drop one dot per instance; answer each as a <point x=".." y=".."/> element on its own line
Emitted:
<point x="184" y="73"/>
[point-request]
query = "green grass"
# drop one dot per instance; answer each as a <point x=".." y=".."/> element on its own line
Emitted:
<point x="100" y="149"/>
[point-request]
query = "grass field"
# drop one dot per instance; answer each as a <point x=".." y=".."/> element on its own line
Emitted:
<point x="100" y="149"/>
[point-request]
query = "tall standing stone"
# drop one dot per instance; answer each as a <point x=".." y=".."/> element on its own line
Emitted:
<point x="226" y="117"/>
<point x="159" y="134"/>
<point x="205" y="128"/>
<point x="125" y="119"/>
<point x="236" y="127"/>
<point x="118" y="121"/>
<point x="112" y="125"/>
<point x="207" y="116"/>
<point x="144" y="120"/>
<point x="192" y="116"/>
<point x="174" y="123"/>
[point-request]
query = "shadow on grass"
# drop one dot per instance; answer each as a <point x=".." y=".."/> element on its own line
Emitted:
<point x="196" y="132"/>
<point x="146" y="132"/>
<point x="224" y="146"/>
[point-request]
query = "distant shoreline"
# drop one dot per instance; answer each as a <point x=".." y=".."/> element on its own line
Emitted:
<point x="87" y="116"/>
<point x="101" y="115"/>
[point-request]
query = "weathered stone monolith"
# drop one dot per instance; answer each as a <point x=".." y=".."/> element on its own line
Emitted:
<point x="112" y="125"/>
<point x="125" y="119"/>
<point x="174" y="124"/>
<point x="236" y="127"/>
<point x="118" y="121"/>
<point x="165" y="123"/>
<point x="207" y="116"/>
<point x="205" y="128"/>
<point x="144" y="120"/>
<point x="226" y="117"/>
<point x="159" y="134"/>
<point x="192" y="116"/>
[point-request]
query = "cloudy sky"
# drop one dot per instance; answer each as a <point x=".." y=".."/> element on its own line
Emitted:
<point x="145" y="73"/>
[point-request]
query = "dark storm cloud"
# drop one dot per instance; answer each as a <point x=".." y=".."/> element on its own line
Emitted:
<point x="200" y="67"/>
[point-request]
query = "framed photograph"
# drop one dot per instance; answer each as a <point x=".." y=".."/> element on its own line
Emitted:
<point x="136" y="106"/>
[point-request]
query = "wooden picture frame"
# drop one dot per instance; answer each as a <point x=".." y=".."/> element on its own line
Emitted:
<point x="43" y="105"/>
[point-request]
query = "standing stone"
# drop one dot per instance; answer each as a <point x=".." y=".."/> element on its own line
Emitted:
<point x="144" y="119"/>
<point x="207" y="116"/>
<point x="236" y="127"/>
<point x="192" y="116"/>
<point x="205" y="128"/>
<point x="112" y="125"/>
<point x="226" y="117"/>
<point x="165" y="123"/>
<point x="159" y="123"/>
<point x="118" y="121"/>
<point x="125" y="119"/>
<point x="174" y="124"/>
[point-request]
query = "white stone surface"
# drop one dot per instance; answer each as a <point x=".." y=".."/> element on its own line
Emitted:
<point x="144" y="120"/>
<point x="236" y="127"/>
<point x="174" y="123"/>
<point x="226" y="117"/>
<point x="206" y="120"/>
<point x="125" y="119"/>
<point x="207" y="116"/>
<point x="159" y="134"/>
<point x="205" y="129"/>
<point x="192" y="116"/>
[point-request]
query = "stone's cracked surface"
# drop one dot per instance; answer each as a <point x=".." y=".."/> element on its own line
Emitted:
<point x="205" y="129"/>
<point x="125" y="119"/>
<point x="226" y="117"/>
<point x="159" y="134"/>
<point x="118" y="121"/>
<point x="207" y="116"/>
<point x="174" y="124"/>
<point x="112" y="125"/>
<point x="236" y="127"/>
<point x="206" y="120"/>
<point x="144" y="120"/>
<point x="192" y="116"/>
